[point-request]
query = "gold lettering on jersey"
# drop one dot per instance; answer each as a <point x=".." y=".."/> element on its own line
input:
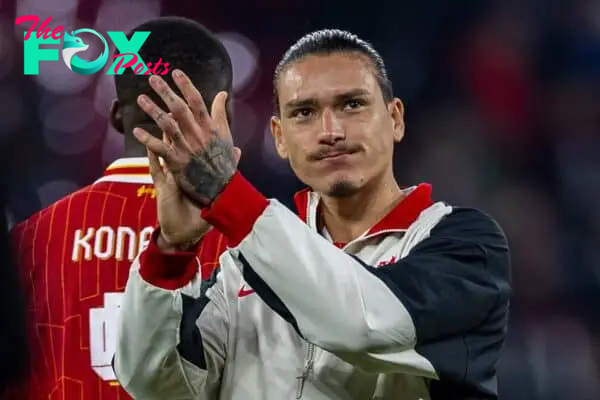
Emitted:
<point x="106" y="242"/>
<point x="146" y="191"/>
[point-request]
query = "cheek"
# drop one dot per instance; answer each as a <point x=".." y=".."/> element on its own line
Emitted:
<point x="295" y="152"/>
<point x="379" y="150"/>
<point x="382" y="138"/>
<point x="375" y="140"/>
<point x="293" y="159"/>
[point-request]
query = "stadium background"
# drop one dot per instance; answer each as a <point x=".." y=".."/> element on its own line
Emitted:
<point x="503" y="112"/>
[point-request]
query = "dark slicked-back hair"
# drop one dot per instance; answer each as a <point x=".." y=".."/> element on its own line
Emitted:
<point x="332" y="41"/>
<point x="185" y="45"/>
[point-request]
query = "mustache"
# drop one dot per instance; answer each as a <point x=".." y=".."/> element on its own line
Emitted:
<point x="338" y="148"/>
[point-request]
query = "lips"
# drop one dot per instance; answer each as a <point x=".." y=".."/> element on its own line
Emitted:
<point x="335" y="155"/>
<point x="334" y="152"/>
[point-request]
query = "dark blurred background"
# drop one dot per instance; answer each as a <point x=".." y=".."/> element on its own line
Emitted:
<point x="503" y="113"/>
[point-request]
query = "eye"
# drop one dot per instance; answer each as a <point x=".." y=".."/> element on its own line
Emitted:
<point x="353" y="104"/>
<point x="301" y="113"/>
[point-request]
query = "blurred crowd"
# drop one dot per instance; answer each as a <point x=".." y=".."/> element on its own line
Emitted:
<point x="503" y="113"/>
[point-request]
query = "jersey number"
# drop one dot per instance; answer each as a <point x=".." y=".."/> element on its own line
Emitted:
<point x="103" y="335"/>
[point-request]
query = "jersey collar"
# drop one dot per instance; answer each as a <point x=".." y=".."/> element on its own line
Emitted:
<point x="399" y="219"/>
<point x="128" y="170"/>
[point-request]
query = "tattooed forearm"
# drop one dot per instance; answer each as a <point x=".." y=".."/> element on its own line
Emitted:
<point x="209" y="170"/>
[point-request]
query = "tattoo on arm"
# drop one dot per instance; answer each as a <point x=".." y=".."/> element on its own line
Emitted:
<point x="208" y="171"/>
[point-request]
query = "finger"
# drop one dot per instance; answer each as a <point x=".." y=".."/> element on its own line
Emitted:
<point x="177" y="107"/>
<point x="191" y="95"/>
<point x="166" y="139"/>
<point x="169" y="144"/>
<point x="153" y="144"/>
<point x="156" y="170"/>
<point x="164" y="121"/>
<point x="219" y="116"/>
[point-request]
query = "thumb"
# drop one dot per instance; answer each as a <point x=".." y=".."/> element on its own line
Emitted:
<point x="218" y="113"/>
<point x="156" y="170"/>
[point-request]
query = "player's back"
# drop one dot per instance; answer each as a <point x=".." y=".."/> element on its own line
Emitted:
<point x="76" y="256"/>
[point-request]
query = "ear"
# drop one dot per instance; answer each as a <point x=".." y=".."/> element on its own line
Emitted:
<point x="278" y="138"/>
<point x="116" y="116"/>
<point x="396" y="109"/>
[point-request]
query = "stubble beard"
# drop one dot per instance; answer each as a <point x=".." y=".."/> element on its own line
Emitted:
<point x="341" y="189"/>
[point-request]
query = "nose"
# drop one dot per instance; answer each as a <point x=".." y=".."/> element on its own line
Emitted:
<point x="332" y="130"/>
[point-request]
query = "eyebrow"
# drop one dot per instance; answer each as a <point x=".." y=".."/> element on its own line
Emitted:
<point x="310" y="102"/>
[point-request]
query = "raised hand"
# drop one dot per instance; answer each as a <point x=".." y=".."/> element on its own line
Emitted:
<point x="180" y="222"/>
<point x="200" y="155"/>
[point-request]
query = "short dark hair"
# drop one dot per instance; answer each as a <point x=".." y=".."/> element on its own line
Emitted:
<point x="331" y="41"/>
<point x="184" y="44"/>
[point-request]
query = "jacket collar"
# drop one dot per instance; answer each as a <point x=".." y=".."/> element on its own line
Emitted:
<point x="399" y="219"/>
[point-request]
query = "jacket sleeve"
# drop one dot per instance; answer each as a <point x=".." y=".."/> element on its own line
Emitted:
<point x="172" y="329"/>
<point x="451" y="283"/>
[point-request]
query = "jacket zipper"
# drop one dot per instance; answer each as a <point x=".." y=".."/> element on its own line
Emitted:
<point x="308" y="366"/>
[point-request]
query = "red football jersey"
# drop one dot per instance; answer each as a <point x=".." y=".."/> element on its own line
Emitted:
<point x="75" y="257"/>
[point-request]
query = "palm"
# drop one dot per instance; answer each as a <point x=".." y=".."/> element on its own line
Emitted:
<point x="178" y="217"/>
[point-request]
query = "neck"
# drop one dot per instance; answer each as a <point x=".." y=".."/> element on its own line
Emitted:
<point x="348" y="218"/>
<point x="133" y="148"/>
<point x="131" y="119"/>
<point x="135" y="151"/>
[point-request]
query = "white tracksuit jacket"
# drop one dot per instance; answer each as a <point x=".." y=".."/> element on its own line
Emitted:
<point x="416" y="308"/>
